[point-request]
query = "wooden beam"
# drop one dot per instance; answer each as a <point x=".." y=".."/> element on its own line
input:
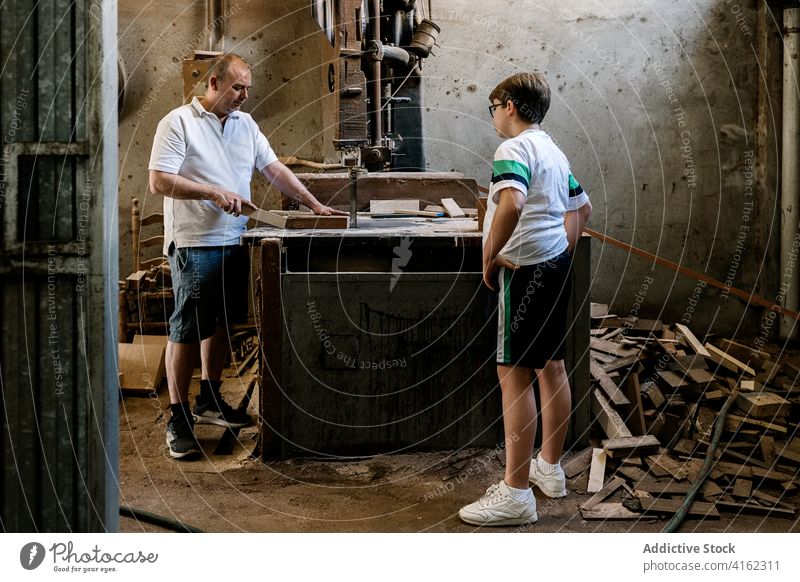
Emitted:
<point x="597" y="472"/>
<point x="749" y="297"/>
<point x="607" y="384"/>
<point x="728" y="362"/>
<point x="609" y="419"/>
<point x="671" y="506"/>
<point x="634" y="445"/>
<point x="605" y="492"/>
<point x="578" y="463"/>
<point x="609" y="347"/>
<point x="692" y="341"/>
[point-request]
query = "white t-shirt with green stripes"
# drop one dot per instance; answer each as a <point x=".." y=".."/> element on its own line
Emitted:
<point x="533" y="164"/>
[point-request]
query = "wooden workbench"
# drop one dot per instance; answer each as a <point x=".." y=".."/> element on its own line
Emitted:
<point x="381" y="339"/>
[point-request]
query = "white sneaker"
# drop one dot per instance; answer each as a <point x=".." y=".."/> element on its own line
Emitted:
<point x="552" y="484"/>
<point x="498" y="507"/>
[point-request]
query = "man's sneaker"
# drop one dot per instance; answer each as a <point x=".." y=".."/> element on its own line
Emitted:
<point x="180" y="438"/>
<point x="498" y="507"/>
<point x="219" y="412"/>
<point x="552" y="484"/>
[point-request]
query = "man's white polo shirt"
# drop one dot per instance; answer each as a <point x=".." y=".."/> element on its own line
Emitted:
<point x="191" y="142"/>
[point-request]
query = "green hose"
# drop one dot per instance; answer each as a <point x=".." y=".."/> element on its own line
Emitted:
<point x="158" y="520"/>
<point x="719" y="426"/>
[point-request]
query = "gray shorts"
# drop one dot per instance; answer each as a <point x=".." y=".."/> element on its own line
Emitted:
<point x="210" y="285"/>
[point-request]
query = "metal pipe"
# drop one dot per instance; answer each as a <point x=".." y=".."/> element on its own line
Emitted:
<point x="216" y="13"/>
<point x="376" y="129"/>
<point x="790" y="170"/>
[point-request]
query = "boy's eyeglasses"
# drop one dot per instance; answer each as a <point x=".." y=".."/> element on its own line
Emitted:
<point x="493" y="107"/>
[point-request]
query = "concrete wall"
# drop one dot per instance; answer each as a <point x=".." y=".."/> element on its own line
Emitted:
<point x="655" y="104"/>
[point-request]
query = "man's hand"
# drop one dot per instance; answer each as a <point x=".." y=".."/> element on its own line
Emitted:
<point x="323" y="210"/>
<point x="230" y="202"/>
<point x="491" y="267"/>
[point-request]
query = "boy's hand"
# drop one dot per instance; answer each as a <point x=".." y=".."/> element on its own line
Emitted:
<point x="491" y="267"/>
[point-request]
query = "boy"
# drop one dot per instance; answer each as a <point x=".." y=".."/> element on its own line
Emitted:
<point x="535" y="215"/>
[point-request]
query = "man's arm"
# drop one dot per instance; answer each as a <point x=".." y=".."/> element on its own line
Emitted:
<point x="284" y="180"/>
<point x="574" y="222"/>
<point x="506" y="216"/>
<point x="180" y="188"/>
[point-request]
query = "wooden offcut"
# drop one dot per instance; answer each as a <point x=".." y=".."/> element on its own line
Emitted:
<point x="452" y="208"/>
<point x="390" y="206"/>
<point x="297" y="219"/>
<point x="597" y="472"/>
<point x="604" y="493"/>
<point x="609" y="419"/>
<point x="607" y="384"/>
<point x="763" y="405"/>
<point x="671" y="506"/>
<point x="727" y="361"/>
<point x="692" y="341"/>
<point x="633" y="445"/>
<point x="141" y="367"/>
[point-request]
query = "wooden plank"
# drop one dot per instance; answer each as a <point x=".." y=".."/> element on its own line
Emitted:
<point x="788" y="454"/>
<point x="597" y="472"/>
<point x="598" y="310"/>
<point x="617" y="363"/>
<point x="297" y="219"/>
<point x="609" y="347"/>
<point x="389" y="206"/>
<point x="601" y="357"/>
<point x="140" y="365"/>
<point x="607" y="511"/>
<point x="692" y="341"/>
<point x="657" y="488"/>
<point x="158" y="340"/>
<point x="767" y="446"/>
<point x="632" y="473"/>
<point x="733" y="422"/>
<point x="672" y="379"/>
<point x="634" y="445"/>
<point x="669" y="464"/>
<point x="605" y="492"/>
<point x="609" y="419"/>
<point x="672" y="506"/>
<point x="763" y="405"/>
<point x="578" y="463"/>
<point x="452" y="208"/>
<point x="728" y="362"/>
<point x="650" y="391"/>
<point x="700" y="376"/>
<point x="425" y="213"/>
<point x="754" y="508"/>
<point x="742" y="488"/>
<point x="607" y="384"/>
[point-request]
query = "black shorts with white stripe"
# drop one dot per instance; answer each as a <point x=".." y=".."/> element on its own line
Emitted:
<point x="532" y="312"/>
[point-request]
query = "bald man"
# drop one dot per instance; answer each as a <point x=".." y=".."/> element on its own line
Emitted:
<point x="203" y="158"/>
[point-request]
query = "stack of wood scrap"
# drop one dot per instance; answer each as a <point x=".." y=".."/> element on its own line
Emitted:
<point x="657" y="393"/>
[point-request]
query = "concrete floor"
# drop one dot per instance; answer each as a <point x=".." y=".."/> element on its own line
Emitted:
<point x="398" y="493"/>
